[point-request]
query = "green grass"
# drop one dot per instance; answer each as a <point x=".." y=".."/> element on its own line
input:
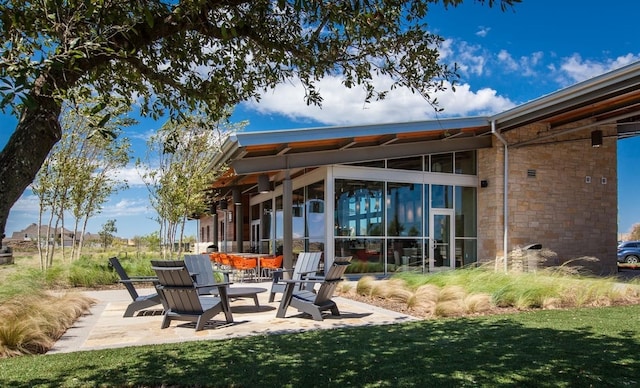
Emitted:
<point x="559" y="348"/>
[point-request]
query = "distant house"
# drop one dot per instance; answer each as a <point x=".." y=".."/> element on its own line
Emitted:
<point x="57" y="235"/>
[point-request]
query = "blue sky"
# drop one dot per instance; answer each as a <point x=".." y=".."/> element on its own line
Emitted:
<point x="506" y="59"/>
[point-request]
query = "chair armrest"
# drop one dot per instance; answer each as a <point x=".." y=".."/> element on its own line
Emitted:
<point x="278" y="274"/>
<point x="291" y="281"/>
<point x="281" y="270"/>
<point x="213" y="285"/>
<point x="150" y="279"/>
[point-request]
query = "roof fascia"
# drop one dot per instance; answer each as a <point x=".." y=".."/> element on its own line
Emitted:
<point x="320" y="158"/>
<point x="615" y="82"/>
<point x="246" y="139"/>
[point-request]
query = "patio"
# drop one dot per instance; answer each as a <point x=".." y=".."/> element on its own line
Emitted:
<point x="105" y="327"/>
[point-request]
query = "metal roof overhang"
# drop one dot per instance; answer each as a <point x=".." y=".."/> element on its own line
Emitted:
<point x="252" y="153"/>
<point x="257" y="152"/>
<point x="354" y="155"/>
<point x="613" y="97"/>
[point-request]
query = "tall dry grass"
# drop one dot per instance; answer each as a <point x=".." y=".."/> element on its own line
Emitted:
<point x="480" y="290"/>
<point x="30" y="324"/>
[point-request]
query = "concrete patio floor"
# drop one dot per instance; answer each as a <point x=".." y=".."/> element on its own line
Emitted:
<point x="105" y="327"/>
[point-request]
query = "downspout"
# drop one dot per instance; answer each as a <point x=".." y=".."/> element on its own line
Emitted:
<point x="505" y="232"/>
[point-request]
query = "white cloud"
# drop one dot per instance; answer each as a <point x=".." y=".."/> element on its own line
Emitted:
<point x="483" y="31"/>
<point x="575" y="69"/>
<point x="466" y="102"/>
<point x="127" y="207"/>
<point x="471" y="59"/>
<point x="131" y="174"/>
<point x="27" y="203"/>
<point x="524" y="66"/>
<point x="344" y="106"/>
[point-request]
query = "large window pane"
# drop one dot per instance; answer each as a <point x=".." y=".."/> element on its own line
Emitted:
<point x="404" y="254"/>
<point x="279" y="218"/>
<point x="466" y="212"/>
<point x="315" y="211"/>
<point x="427" y="199"/>
<point x="413" y="163"/>
<point x="442" y="163"/>
<point x="359" y="209"/>
<point x="466" y="162"/>
<point x="366" y="254"/>
<point x="298" y="212"/>
<point x="266" y="220"/>
<point x="466" y="252"/>
<point x="442" y="196"/>
<point x="266" y="227"/>
<point x="404" y="209"/>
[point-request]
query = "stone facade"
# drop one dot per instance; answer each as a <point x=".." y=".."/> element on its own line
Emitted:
<point x="562" y="193"/>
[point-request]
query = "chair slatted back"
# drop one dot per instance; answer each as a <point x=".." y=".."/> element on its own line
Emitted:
<point x="177" y="286"/>
<point x="333" y="276"/>
<point x="117" y="266"/>
<point x="182" y="300"/>
<point x="306" y="262"/>
<point x="174" y="276"/>
<point x="200" y="265"/>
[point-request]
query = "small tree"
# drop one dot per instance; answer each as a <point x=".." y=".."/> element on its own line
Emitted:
<point x="77" y="177"/>
<point x="107" y="233"/>
<point x="178" y="170"/>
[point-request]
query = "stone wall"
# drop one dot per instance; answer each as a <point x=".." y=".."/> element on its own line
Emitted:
<point x="562" y="194"/>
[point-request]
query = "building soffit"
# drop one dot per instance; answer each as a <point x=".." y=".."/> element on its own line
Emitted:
<point x="258" y="152"/>
<point x="354" y="155"/>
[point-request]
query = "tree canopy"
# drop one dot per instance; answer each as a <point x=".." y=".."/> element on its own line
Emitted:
<point x="170" y="57"/>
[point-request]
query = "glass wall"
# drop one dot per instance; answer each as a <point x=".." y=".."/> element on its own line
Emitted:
<point x="267" y="222"/>
<point x="383" y="222"/>
<point x="315" y="220"/>
<point x="359" y="219"/>
<point x="396" y="237"/>
<point x="308" y="226"/>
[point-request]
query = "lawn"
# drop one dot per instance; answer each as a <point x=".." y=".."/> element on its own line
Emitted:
<point x="546" y="348"/>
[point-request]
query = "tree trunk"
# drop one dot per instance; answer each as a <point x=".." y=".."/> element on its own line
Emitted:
<point x="36" y="133"/>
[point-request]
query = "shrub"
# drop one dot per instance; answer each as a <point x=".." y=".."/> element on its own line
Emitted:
<point x="90" y="273"/>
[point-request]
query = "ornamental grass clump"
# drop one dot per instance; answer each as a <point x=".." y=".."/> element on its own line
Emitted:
<point x="481" y="290"/>
<point x="30" y="324"/>
<point x="365" y="285"/>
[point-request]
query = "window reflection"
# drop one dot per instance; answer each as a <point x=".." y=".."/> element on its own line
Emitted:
<point x="359" y="209"/>
<point x="442" y="196"/>
<point x="404" y="209"/>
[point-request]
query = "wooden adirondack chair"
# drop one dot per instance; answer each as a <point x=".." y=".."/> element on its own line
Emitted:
<point x="314" y="303"/>
<point x="180" y="291"/>
<point x="139" y="302"/>
<point x="306" y="265"/>
<point x="201" y="268"/>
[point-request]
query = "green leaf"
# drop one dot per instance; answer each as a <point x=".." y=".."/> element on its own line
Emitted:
<point x="149" y="17"/>
<point x="104" y="120"/>
<point x="97" y="108"/>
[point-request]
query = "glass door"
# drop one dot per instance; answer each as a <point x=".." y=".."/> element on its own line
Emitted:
<point x="441" y="252"/>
